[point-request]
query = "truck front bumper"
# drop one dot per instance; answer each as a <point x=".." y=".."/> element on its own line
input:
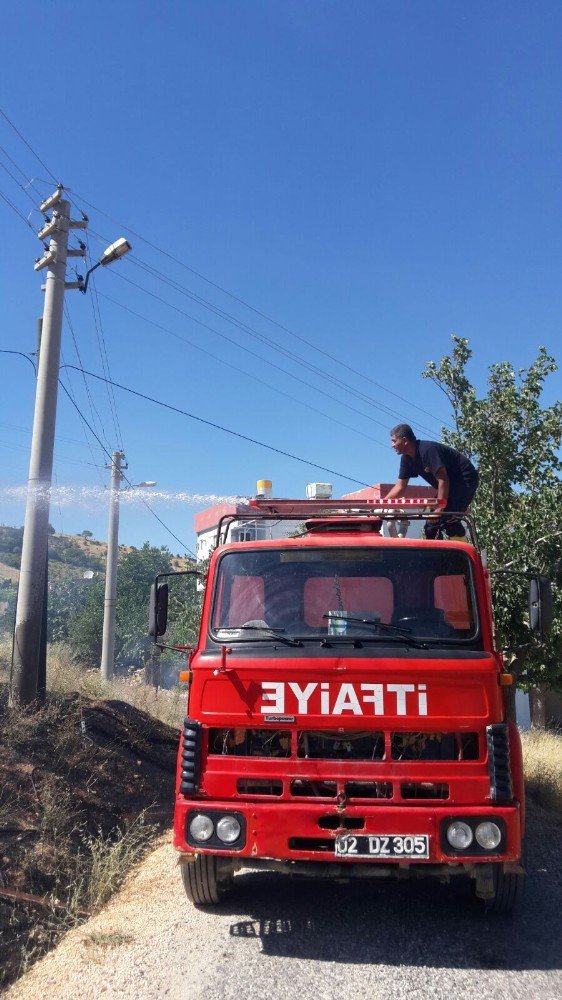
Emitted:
<point x="307" y="831"/>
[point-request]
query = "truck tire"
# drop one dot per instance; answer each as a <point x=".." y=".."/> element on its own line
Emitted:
<point x="508" y="890"/>
<point x="207" y="880"/>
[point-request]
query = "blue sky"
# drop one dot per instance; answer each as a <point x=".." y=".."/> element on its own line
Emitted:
<point x="373" y="176"/>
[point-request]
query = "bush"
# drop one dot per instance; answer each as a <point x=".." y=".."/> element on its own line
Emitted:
<point x="542" y="758"/>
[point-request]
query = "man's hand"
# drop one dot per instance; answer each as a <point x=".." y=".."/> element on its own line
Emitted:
<point x="397" y="490"/>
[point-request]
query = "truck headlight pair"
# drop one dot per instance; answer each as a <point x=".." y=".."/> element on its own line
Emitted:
<point x="204" y="827"/>
<point x="460" y="835"/>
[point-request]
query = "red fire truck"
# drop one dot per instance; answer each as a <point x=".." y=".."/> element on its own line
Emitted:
<point x="346" y="711"/>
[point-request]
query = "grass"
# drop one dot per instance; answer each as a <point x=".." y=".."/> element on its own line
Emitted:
<point x="71" y="863"/>
<point x="542" y="758"/>
<point x="109" y="939"/>
<point x="65" y="674"/>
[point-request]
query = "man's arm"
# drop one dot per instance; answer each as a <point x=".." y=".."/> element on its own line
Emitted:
<point x="442" y="483"/>
<point x="397" y="490"/>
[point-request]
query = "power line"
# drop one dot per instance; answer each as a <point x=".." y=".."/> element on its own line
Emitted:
<point x="14" y="164"/>
<point x="18" y="212"/>
<point x="93" y="409"/>
<point x="109" y="456"/>
<point x="104" y="357"/>
<point x="263" y="315"/>
<point x="60" y="458"/>
<point x="247" y="350"/>
<point x="298" y="359"/>
<point x="225" y="430"/>
<point x="22" y="354"/>
<point x="21" y="186"/>
<point x="242" y="371"/>
<point x="241" y="301"/>
<point x="29" y="146"/>
<point x="70" y="391"/>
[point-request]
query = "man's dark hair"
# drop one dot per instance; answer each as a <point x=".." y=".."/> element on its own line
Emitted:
<point x="403" y="431"/>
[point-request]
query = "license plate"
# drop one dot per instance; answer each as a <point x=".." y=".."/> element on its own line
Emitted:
<point x="390" y="845"/>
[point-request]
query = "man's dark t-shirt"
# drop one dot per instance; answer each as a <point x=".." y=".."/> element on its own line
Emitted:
<point x="431" y="456"/>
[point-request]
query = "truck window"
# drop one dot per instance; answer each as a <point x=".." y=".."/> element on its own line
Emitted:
<point x="371" y="596"/>
<point x="427" y="591"/>
<point x="451" y="595"/>
<point x="245" y="600"/>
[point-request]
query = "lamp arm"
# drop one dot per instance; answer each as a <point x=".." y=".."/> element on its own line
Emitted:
<point x="87" y="278"/>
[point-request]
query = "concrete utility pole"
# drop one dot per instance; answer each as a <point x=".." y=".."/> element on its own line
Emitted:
<point x="29" y="611"/>
<point x="108" y="643"/>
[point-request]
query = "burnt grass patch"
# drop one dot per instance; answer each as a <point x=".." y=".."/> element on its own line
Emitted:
<point x="85" y="786"/>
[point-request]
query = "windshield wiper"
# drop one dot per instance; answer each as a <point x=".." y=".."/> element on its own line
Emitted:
<point x="270" y="631"/>
<point x="403" y="633"/>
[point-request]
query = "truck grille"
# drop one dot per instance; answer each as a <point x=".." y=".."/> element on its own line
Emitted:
<point x="499" y="767"/>
<point x="434" y="746"/>
<point x="250" y="742"/>
<point x="326" y="745"/>
<point x="190" y="757"/>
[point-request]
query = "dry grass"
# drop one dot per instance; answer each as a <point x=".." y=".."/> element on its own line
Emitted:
<point x="73" y="818"/>
<point x="105" y="862"/>
<point x="65" y="674"/>
<point x="542" y="757"/>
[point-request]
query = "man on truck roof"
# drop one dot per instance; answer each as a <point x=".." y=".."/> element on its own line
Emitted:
<point x="451" y="473"/>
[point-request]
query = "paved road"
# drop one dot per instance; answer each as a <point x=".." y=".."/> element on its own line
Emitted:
<point x="286" y="939"/>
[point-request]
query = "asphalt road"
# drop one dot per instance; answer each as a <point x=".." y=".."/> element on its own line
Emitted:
<point x="284" y="939"/>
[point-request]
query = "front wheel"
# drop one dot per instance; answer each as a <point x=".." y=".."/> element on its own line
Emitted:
<point x="207" y="880"/>
<point x="508" y="891"/>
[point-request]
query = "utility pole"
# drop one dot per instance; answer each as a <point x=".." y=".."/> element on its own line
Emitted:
<point x="29" y="610"/>
<point x="108" y="643"/>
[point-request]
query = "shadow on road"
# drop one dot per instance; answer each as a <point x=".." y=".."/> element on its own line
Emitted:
<point x="415" y="923"/>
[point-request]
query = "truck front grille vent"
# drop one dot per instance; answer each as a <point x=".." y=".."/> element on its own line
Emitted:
<point x="499" y="766"/>
<point x="368" y="789"/>
<point x="314" y="789"/>
<point x="329" y="745"/>
<point x="190" y="757"/>
<point x="424" y="790"/>
<point x="434" y="746"/>
<point x="259" y="786"/>
<point x="250" y="742"/>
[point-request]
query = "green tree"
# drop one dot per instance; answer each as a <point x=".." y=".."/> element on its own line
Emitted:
<point x="514" y="440"/>
<point x="66" y="597"/>
<point x="135" y="572"/>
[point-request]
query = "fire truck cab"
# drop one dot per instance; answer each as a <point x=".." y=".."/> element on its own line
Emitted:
<point x="346" y="711"/>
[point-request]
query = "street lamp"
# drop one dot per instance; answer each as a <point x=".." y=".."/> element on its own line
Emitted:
<point x="145" y="482"/>
<point x="113" y="252"/>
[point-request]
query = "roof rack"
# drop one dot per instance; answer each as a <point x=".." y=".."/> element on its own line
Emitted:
<point x="399" y="508"/>
<point x="354" y="508"/>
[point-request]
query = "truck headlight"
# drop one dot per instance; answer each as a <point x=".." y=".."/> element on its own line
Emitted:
<point x="201" y="827"/>
<point x="228" y="829"/>
<point x="488" y="835"/>
<point x="459" y="835"/>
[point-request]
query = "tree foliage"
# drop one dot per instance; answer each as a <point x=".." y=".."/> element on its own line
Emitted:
<point x="136" y="571"/>
<point x="514" y="440"/>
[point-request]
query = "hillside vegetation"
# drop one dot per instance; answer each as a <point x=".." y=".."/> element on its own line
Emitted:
<point x="76" y="587"/>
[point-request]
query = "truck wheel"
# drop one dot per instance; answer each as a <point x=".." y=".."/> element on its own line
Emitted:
<point x="508" y="890"/>
<point x="207" y="880"/>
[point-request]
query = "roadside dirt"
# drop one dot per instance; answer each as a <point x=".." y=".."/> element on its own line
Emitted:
<point x="73" y="777"/>
<point x="278" y="938"/>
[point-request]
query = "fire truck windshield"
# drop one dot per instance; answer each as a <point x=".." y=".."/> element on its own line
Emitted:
<point x="419" y="594"/>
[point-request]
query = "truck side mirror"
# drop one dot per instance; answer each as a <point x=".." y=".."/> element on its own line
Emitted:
<point x="158" y="610"/>
<point x="540" y="605"/>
